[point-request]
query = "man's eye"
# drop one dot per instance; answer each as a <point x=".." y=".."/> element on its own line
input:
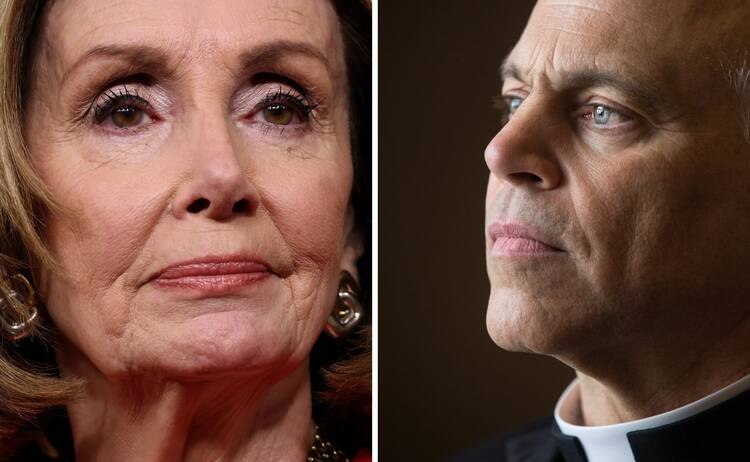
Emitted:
<point x="604" y="116"/>
<point x="513" y="103"/>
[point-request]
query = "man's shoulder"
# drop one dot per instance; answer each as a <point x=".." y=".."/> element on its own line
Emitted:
<point x="533" y="443"/>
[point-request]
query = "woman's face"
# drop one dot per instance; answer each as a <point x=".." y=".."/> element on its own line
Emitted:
<point x="200" y="153"/>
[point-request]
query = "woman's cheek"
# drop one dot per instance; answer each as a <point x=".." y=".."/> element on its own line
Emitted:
<point x="312" y="190"/>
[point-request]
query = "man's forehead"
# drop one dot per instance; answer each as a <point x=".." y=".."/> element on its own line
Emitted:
<point x="666" y="12"/>
<point x="557" y="52"/>
<point x="666" y="22"/>
<point x="656" y="41"/>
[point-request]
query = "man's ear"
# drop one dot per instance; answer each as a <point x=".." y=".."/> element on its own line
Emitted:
<point x="354" y="245"/>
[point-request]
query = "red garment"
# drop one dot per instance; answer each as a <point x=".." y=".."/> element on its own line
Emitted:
<point x="363" y="455"/>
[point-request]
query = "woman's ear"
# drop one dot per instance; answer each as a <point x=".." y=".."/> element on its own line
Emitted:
<point x="354" y="245"/>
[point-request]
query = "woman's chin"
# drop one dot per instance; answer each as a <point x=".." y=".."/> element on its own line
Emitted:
<point x="228" y="343"/>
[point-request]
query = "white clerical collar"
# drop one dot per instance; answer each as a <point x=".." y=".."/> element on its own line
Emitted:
<point x="609" y="443"/>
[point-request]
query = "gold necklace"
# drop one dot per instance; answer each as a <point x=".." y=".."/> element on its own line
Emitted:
<point x="323" y="450"/>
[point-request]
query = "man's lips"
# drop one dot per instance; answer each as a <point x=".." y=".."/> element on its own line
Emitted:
<point x="515" y="239"/>
<point x="212" y="273"/>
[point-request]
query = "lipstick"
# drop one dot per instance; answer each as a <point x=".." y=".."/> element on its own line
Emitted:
<point x="214" y="274"/>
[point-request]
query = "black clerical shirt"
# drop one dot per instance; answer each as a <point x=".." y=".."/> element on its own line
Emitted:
<point x="718" y="434"/>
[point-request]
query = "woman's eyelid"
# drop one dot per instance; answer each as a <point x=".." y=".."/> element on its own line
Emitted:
<point x="112" y="102"/>
<point x="250" y="98"/>
<point x="254" y="102"/>
<point x="147" y="98"/>
<point x="250" y="103"/>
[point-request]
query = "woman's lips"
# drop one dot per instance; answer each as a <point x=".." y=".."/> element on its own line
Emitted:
<point x="211" y="275"/>
<point x="512" y="239"/>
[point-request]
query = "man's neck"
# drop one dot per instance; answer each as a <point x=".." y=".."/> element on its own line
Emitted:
<point x="232" y="420"/>
<point x="636" y="386"/>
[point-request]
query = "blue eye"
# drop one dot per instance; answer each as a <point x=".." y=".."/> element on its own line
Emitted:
<point x="513" y="104"/>
<point x="602" y="114"/>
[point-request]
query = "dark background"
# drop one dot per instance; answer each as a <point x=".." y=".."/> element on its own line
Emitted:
<point x="443" y="384"/>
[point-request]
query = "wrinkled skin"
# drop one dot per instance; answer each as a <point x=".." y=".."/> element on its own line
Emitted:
<point x="647" y="199"/>
<point x="197" y="166"/>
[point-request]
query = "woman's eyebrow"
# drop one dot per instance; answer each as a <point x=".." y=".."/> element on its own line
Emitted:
<point x="146" y="57"/>
<point x="158" y="60"/>
<point x="271" y="53"/>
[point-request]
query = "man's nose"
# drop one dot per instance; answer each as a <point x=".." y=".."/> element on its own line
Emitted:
<point x="216" y="185"/>
<point x="522" y="154"/>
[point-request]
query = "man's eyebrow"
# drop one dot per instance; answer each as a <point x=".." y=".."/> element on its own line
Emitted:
<point x="509" y="70"/>
<point x="158" y="61"/>
<point x="643" y="94"/>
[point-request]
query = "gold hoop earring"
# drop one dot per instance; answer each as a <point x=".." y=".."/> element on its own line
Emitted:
<point x="348" y="310"/>
<point x="20" y="294"/>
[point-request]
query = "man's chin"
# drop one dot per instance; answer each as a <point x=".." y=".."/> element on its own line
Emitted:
<point x="523" y="327"/>
<point x="510" y="341"/>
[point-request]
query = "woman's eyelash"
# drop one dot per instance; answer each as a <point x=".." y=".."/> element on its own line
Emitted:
<point x="292" y="98"/>
<point x="112" y="98"/>
<point x="117" y="97"/>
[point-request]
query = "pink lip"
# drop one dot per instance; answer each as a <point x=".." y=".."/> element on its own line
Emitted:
<point x="513" y="239"/>
<point x="212" y="273"/>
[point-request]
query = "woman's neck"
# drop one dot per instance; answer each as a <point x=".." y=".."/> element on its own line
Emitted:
<point x="233" y="419"/>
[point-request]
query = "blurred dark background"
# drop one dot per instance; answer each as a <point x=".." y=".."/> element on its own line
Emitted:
<point x="443" y="385"/>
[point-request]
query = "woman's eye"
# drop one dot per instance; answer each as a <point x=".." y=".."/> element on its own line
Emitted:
<point x="278" y="114"/>
<point x="121" y="110"/>
<point x="126" y="116"/>
<point x="281" y="108"/>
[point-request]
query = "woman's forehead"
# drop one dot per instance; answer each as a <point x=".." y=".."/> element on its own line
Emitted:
<point x="219" y="31"/>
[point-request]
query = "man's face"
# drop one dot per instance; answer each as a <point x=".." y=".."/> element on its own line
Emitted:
<point x="618" y="204"/>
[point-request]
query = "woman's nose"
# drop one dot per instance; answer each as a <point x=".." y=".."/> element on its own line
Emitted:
<point x="522" y="153"/>
<point x="216" y="186"/>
